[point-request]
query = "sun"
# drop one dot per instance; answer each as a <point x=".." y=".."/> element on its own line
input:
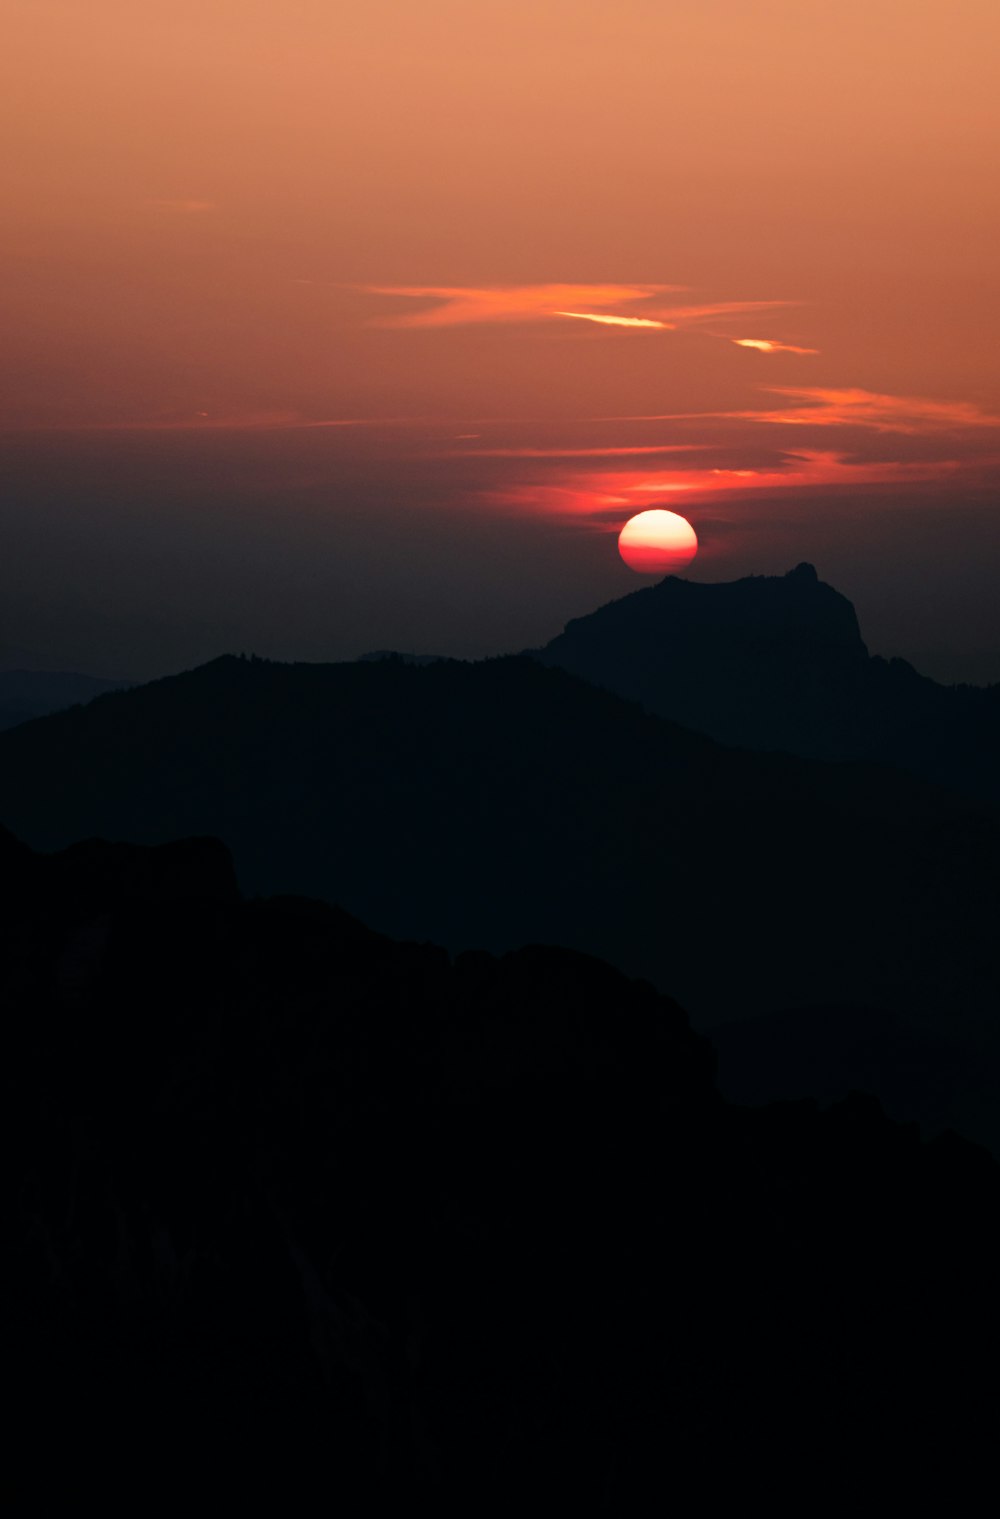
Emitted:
<point x="657" y="543"/>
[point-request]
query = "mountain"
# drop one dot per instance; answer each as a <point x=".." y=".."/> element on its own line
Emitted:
<point x="778" y="663"/>
<point x="409" y="659"/>
<point x="501" y="803"/>
<point x="25" y="694"/>
<point x="297" y="1212"/>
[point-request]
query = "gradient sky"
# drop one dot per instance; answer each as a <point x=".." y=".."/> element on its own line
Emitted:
<point x="330" y="327"/>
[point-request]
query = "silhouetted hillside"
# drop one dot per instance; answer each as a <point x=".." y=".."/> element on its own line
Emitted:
<point x="25" y="694"/>
<point x="409" y="659"/>
<point x="777" y="663"/>
<point x="304" y="1214"/>
<point x="501" y="803"/>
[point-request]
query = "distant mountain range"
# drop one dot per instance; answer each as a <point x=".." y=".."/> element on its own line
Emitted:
<point x="501" y="802"/>
<point x="496" y="804"/>
<point x="778" y="663"/>
<point x="25" y="694"/>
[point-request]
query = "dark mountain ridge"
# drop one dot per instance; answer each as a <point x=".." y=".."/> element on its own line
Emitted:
<point x="778" y="663"/>
<point x="503" y="802"/>
<point x="298" y="1211"/>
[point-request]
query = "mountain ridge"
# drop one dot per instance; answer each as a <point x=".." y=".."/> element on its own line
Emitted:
<point x="504" y="801"/>
<point x="777" y="663"/>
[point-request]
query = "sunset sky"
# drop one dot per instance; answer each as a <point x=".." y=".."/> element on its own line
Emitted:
<point x="332" y="326"/>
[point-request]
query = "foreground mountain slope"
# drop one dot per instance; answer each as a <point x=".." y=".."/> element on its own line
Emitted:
<point x="301" y="1212"/>
<point x="500" y="803"/>
<point x="777" y="662"/>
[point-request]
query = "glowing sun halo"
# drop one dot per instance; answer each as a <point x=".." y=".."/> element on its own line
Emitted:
<point x="657" y="543"/>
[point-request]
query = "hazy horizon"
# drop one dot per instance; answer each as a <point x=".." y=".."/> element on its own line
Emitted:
<point x="116" y="569"/>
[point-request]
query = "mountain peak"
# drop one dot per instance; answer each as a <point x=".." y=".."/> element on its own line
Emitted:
<point x="769" y="661"/>
<point x="779" y="611"/>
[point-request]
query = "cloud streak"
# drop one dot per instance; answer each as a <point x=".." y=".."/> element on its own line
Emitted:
<point x="461" y="305"/>
<point x="865" y="408"/>
<point x="689" y="315"/>
<point x="457" y="306"/>
<point x="821" y="406"/>
<point x="614" y="321"/>
<point x="607" y="496"/>
<point x="770" y="345"/>
<point x="578" y="453"/>
<point x="248" y="421"/>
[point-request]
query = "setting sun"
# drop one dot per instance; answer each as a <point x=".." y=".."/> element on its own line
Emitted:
<point x="657" y="543"/>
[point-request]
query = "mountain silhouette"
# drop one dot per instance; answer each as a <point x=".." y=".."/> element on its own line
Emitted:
<point x="778" y="663"/>
<point x="500" y="803"/>
<point x="302" y="1211"/>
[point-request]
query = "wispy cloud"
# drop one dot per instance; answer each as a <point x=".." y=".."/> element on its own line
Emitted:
<point x="461" y="305"/>
<point x="770" y="345"/>
<point x="821" y="406"/>
<point x="865" y="408"/>
<point x="614" y="321"/>
<point x="709" y="310"/>
<point x="248" y="421"/>
<point x="579" y="453"/>
<point x="606" y="496"/>
<point x="456" y="306"/>
<point x="808" y="468"/>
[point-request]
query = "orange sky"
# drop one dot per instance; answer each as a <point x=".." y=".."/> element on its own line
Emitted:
<point x="525" y="234"/>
